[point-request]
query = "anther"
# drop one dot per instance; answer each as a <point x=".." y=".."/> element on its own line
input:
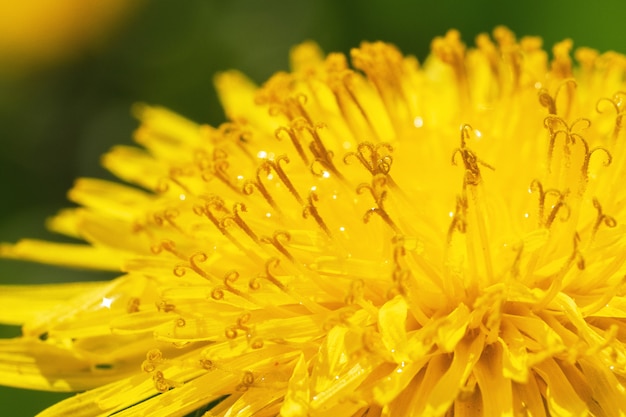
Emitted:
<point x="602" y="218"/>
<point x="247" y="380"/>
<point x="133" y="305"/>
<point x="375" y="158"/>
<point x="470" y="161"/>
<point x="229" y="279"/>
<point x="322" y="156"/>
<point x="560" y="204"/>
<point x="164" y="306"/>
<point x="616" y="103"/>
<point x="230" y="332"/>
<point x="218" y="168"/>
<point x="194" y="260"/>
<point x="276" y="241"/>
<point x="557" y="125"/>
<point x="266" y="167"/>
<point x="311" y="210"/>
<point x="163" y="185"/>
<point x="270" y="264"/>
<point x="234" y="133"/>
<point x="207" y="364"/>
<point x="549" y="102"/>
<point x="154" y="357"/>
<point x="451" y="50"/>
<point x="236" y="218"/>
<point x="459" y="222"/>
<point x="249" y="186"/>
<point x="294" y="140"/>
<point x="256" y="343"/>
<point x="536" y="185"/>
<point x="168" y="246"/>
<point x="161" y="383"/>
<point x="167" y="217"/>
<point x="379" y="194"/>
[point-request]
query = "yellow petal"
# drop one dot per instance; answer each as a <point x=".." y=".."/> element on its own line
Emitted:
<point x="392" y="326"/>
<point x="297" y="397"/>
<point x="494" y="386"/>
<point x="561" y="397"/>
<point x="64" y="254"/>
<point x="445" y="390"/>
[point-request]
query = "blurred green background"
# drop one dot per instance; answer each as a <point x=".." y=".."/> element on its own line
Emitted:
<point x="57" y="119"/>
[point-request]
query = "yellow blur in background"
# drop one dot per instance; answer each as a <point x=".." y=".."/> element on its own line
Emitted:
<point x="37" y="33"/>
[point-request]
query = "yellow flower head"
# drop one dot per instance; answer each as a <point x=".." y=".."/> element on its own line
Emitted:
<point x="384" y="240"/>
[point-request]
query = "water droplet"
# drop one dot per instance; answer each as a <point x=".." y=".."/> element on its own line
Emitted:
<point x="106" y="302"/>
<point x="418" y="122"/>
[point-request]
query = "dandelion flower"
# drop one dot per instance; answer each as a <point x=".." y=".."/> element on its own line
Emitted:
<point x="385" y="239"/>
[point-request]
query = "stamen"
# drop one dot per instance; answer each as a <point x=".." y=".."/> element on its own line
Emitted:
<point x="247" y="380"/>
<point x="562" y="63"/>
<point x="470" y="161"/>
<point x="164" y="306"/>
<point x="571" y="133"/>
<point x="459" y="219"/>
<point x="311" y="210"/>
<point x="560" y="204"/>
<point x="229" y="279"/>
<point x="249" y="186"/>
<point x="234" y="133"/>
<point x="278" y="169"/>
<point x="451" y="50"/>
<point x="133" y="305"/>
<point x="168" y="246"/>
<point x="384" y="66"/>
<point x="167" y="216"/>
<point x="375" y="158"/>
<point x="379" y="194"/>
<point x="198" y="257"/>
<point x="322" y="156"/>
<point x="162" y="384"/>
<point x="536" y="185"/>
<point x="549" y="102"/>
<point x="163" y="185"/>
<point x="510" y="51"/>
<point x="270" y="264"/>
<point x="256" y="343"/>
<point x="236" y="218"/>
<point x="207" y="364"/>
<point x="294" y="140"/>
<point x="602" y="218"/>
<point x="218" y="168"/>
<point x="588" y="154"/>
<point x="154" y="357"/>
<point x="341" y="81"/>
<point x="616" y="103"/>
<point x="276" y="242"/>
